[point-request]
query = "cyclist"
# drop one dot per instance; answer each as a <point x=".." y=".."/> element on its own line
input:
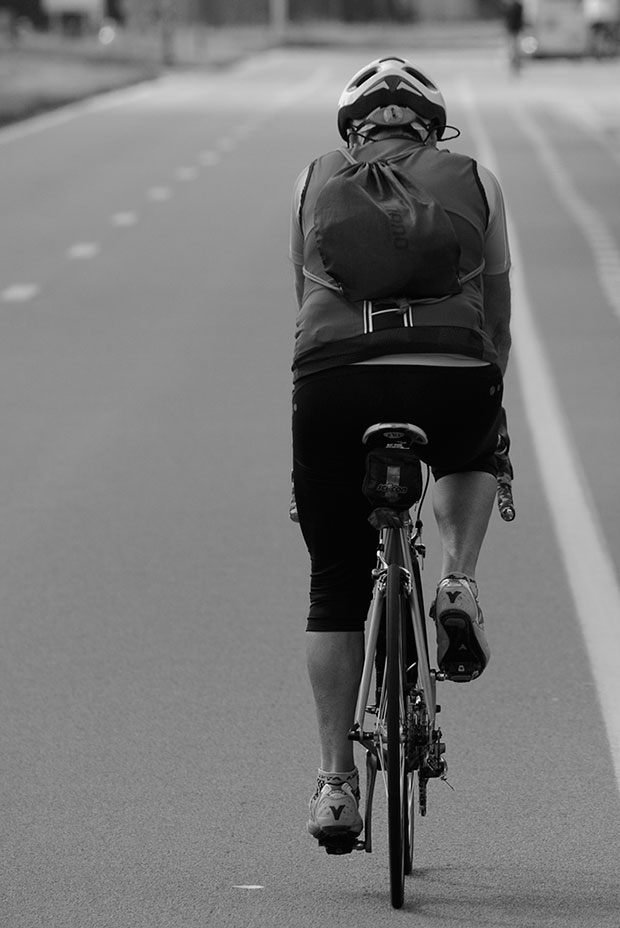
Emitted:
<point x="513" y="19"/>
<point x="439" y="366"/>
<point x="603" y="20"/>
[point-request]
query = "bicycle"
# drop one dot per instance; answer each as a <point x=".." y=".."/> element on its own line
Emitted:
<point x="404" y="739"/>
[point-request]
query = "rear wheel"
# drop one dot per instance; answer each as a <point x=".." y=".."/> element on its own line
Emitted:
<point x="411" y="663"/>
<point x="409" y="824"/>
<point x="399" y="785"/>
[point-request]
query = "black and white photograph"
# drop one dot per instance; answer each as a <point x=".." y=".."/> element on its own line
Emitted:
<point x="310" y="463"/>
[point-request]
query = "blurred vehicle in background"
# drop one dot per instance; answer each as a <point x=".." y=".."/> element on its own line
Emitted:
<point x="75" y="16"/>
<point x="571" y="28"/>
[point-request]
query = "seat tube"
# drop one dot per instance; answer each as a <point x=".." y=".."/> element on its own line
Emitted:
<point x="395" y="543"/>
<point x="419" y="625"/>
<point x="374" y="623"/>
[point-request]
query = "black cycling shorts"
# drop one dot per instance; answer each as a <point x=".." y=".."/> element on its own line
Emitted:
<point x="458" y="408"/>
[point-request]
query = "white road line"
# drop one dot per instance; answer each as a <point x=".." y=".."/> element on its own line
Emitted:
<point x="65" y="114"/>
<point x="592" y="122"/>
<point x="601" y="241"/>
<point x="159" y="194"/>
<point x="186" y="173"/>
<point x="261" y="62"/>
<point x="19" y="293"/>
<point x="80" y="251"/>
<point x="208" y="158"/>
<point x="127" y="95"/>
<point x="589" y="567"/>
<point x="298" y="92"/>
<point x="83" y="251"/>
<point x="20" y="130"/>
<point x="244" y="129"/>
<point x="126" y="218"/>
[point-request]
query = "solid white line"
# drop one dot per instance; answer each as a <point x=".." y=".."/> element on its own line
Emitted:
<point x="65" y="114"/>
<point x="262" y="62"/>
<point x="599" y="237"/>
<point x="589" y="566"/>
<point x="592" y="122"/>
<point x="126" y="95"/>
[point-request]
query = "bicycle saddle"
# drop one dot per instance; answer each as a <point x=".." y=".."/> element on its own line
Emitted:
<point x="394" y="435"/>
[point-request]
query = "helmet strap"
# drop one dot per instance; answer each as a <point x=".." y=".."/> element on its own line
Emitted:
<point x="369" y="132"/>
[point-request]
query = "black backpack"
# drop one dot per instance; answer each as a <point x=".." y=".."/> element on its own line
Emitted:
<point x="382" y="236"/>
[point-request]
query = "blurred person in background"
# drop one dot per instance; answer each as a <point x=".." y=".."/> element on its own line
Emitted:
<point x="513" y="20"/>
<point x="603" y="21"/>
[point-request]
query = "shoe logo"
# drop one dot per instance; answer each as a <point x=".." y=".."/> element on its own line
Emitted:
<point x="463" y="647"/>
<point x="337" y="811"/>
<point x="453" y="596"/>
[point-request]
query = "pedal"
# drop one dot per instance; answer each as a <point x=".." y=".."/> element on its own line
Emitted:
<point x="462" y="673"/>
<point x="339" y="844"/>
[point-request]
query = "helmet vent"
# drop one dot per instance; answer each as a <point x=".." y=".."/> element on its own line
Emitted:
<point x="362" y="78"/>
<point x="388" y="81"/>
<point x="419" y="77"/>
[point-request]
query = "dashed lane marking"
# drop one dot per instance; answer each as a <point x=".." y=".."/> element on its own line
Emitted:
<point x="127" y="218"/>
<point x="80" y="251"/>
<point x="186" y="173"/>
<point x="208" y="158"/>
<point x="19" y="293"/>
<point x="83" y="251"/>
<point x="243" y="130"/>
<point x="65" y="114"/>
<point x="159" y="194"/>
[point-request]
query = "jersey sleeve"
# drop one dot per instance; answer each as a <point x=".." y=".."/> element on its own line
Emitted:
<point x="496" y="246"/>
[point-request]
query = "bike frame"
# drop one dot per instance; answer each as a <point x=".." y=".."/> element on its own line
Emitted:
<point x="395" y="547"/>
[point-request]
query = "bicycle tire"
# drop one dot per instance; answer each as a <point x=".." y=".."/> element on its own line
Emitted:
<point x="411" y="659"/>
<point x="409" y="825"/>
<point x="395" y="710"/>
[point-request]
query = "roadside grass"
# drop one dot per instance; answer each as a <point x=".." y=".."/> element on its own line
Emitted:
<point x="39" y="72"/>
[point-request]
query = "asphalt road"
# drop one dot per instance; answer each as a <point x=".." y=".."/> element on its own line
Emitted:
<point x="157" y="736"/>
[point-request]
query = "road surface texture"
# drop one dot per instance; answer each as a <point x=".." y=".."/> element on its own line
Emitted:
<point x="158" y="743"/>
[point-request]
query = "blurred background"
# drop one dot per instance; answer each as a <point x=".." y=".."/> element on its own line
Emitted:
<point x="106" y="43"/>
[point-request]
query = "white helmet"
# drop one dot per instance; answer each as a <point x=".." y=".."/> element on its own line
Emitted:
<point x="391" y="92"/>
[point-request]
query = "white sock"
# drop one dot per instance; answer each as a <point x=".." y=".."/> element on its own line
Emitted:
<point x="337" y="779"/>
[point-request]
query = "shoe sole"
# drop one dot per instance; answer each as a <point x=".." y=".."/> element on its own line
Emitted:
<point x="343" y="843"/>
<point x="464" y="659"/>
<point x="335" y="840"/>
